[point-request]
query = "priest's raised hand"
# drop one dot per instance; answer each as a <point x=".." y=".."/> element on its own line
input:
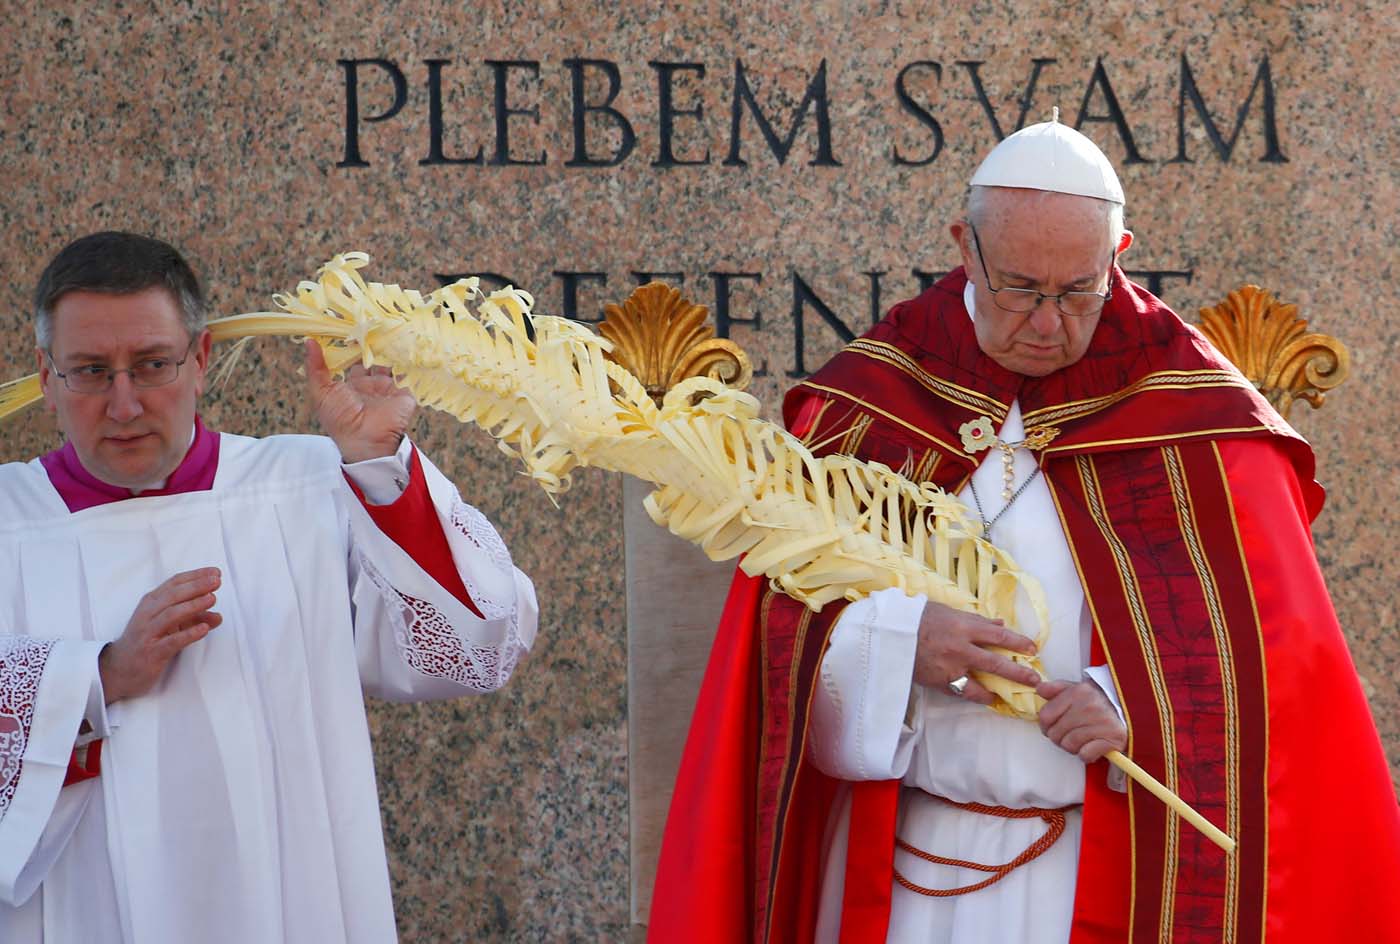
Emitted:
<point x="366" y="413"/>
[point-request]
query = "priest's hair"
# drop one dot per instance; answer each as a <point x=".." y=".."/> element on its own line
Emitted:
<point x="116" y="263"/>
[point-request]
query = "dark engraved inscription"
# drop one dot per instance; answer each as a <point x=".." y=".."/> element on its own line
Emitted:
<point x="1027" y="95"/>
<point x="924" y="116"/>
<point x="503" y="111"/>
<point x="667" y="113"/>
<point x="353" y="118"/>
<point x="604" y="109"/>
<point x="815" y="99"/>
<point x="1224" y="147"/>
<point x="1114" y="116"/>
<point x="435" y="124"/>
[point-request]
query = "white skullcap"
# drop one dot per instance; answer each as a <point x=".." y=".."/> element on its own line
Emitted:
<point x="1054" y="157"/>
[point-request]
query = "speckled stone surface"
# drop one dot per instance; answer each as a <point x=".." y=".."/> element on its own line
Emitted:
<point x="220" y="127"/>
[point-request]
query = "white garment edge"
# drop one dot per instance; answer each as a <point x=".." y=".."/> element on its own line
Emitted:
<point x="881" y="634"/>
<point x="100" y="723"/>
<point x="504" y="594"/>
<point x="59" y="704"/>
<point x="383" y="479"/>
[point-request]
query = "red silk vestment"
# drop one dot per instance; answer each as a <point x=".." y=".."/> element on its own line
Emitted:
<point x="1186" y="503"/>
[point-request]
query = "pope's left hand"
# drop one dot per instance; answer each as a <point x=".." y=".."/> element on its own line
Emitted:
<point x="367" y="414"/>
<point x="1080" y="719"/>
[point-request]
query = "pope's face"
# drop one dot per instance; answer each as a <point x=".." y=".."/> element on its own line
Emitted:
<point x="128" y="436"/>
<point x="1049" y="243"/>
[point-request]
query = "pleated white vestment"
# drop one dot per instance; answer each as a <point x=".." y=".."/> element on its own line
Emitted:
<point x="237" y="800"/>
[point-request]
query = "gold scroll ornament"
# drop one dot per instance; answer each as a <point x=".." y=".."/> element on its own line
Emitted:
<point x="662" y="339"/>
<point x="1273" y="348"/>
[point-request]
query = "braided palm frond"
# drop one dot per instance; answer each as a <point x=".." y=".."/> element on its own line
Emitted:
<point x="821" y="529"/>
<point x="19" y="394"/>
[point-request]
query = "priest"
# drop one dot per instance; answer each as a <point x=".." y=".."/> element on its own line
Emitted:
<point x="189" y="620"/>
<point x="844" y="781"/>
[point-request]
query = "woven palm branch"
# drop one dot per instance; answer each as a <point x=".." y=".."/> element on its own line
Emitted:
<point x="820" y="528"/>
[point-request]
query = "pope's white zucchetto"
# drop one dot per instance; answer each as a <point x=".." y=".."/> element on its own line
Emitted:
<point x="1054" y="157"/>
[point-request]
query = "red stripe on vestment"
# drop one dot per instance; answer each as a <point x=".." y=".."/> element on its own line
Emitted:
<point x="1109" y="592"/>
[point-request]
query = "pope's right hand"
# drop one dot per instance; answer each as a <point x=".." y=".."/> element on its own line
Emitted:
<point x="953" y="644"/>
<point x="169" y="618"/>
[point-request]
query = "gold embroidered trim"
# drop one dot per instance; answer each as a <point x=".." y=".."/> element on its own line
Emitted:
<point x="1152" y="660"/>
<point x="953" y="393"/>
<point x="1210" y="590"/>
<point x="1162" y="380"/>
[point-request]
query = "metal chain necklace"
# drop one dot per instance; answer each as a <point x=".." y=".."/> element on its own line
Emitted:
<point x="987" y="525"/>
<point x="977" y="435"/>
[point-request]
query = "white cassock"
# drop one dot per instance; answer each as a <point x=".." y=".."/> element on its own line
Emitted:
<point x="237" y="800"/>
<point x="870" y="721"/>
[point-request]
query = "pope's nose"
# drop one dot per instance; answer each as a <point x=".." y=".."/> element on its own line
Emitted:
<point x="1046" y="317"/>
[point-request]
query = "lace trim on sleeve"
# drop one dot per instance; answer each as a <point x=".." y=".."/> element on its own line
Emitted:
<point x="22" y="662"/>
<point x="472" y="525"/>
<point x="426" y="638"/>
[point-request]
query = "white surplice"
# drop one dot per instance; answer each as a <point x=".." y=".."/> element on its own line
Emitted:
<point x="237" y="800"/>
<point x="870" y="721"/>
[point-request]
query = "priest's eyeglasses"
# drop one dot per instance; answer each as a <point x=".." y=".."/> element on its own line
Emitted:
<point x="1023" y="300"/>
<point x="147" y="372"/>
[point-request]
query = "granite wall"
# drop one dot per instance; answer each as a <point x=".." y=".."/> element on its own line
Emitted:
<point x="793" y="166"/>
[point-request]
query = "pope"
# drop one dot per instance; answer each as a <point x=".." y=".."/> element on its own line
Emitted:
<point x="843" y="781"/>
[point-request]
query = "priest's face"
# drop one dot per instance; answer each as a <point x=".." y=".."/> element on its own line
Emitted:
<point x="128" y="435"/>
<point x="1048" y="243"/>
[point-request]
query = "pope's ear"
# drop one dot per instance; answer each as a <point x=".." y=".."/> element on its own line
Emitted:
<point x="1125" y="241"/>
<point x="961" y="231"/>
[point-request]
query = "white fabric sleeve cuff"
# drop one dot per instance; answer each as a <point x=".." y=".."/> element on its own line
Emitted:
<point x="1102" y="676"/>
<point x="862" y="701"/>
<point x="95" y="714"/>
<point x="383" y="479"/>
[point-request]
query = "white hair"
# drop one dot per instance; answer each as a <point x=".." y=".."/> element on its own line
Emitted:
<point x="977" y="198"/>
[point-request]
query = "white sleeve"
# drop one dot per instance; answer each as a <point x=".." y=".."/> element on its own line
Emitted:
<point x="45" y="691"/>
<point x="414" y="639"/>
<point x="1102" y="676"/>
<point x="383" y="479"/>
<point x="863" y="727"/>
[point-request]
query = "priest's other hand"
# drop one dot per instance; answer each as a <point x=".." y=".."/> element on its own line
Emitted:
<point x="952" y="644"/>
<point x="367" y="414"/>
<point x="1080" y="719"/>
<point x="169" y="618"/>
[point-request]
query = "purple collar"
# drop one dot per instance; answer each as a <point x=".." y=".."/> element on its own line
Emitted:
<point x="80" y="489"/>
